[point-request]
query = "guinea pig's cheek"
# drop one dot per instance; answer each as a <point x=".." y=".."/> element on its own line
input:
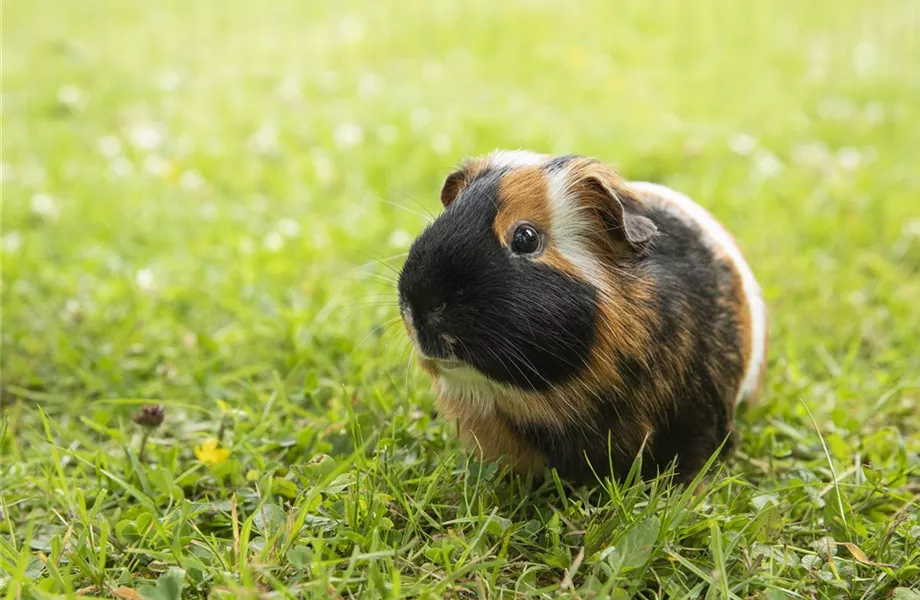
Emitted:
<point x="410" y="326"/>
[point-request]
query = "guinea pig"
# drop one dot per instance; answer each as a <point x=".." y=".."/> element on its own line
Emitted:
<point x="572" y="319"/>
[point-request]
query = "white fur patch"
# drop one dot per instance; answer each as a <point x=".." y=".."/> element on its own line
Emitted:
<point x="685" y="208"/>
<point x="515" y="158"/>
<point x="470" y="388"/>
<point x="470" y="391"/>
<point x="569" y="230"/>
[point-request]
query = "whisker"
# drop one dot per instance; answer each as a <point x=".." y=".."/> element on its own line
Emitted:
<point x="383" y="326"/>
<point x="400" y="340"/>
<point x="503" y="345"/>
<point x="372" y="276"/>
<point x="390" y="303"/>
<point x="419" y="204"/>
<point x="429" y="218"/>
<point x="376" y="258"/>
<point x="356" y="311"/>
<point x="400" y="255"/>
<point x="380" y="259"/>
<point x="409" y="367"/>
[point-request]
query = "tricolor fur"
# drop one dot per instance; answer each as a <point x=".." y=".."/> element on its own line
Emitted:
<point x="637" y="324"/>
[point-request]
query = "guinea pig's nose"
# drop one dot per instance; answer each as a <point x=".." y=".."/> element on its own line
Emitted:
<point x="431" y="313"/>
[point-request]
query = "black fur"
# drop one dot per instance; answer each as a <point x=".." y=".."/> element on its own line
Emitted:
<point x="516" y="321"/>
<point x="560" y="161"/>
<point x="688" y="288"/>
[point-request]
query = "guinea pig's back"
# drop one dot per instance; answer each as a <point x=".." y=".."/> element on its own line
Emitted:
<point x="685" y="226"/>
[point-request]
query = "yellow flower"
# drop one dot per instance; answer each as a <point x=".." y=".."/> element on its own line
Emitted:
<point x="210" y="454"/>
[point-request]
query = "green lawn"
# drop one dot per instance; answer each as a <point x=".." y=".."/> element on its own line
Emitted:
<point x="204" y="205"/>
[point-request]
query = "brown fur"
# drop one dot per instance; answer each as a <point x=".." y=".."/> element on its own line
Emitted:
<point x="487" y="437"/>
<point x="736" y="302"/>
<point x="562" y="406"/>
<point x="626" y="314"/>
<point x="523" y="196"/>
<point x="461" y="178"/>
<point x="626" y="321"/>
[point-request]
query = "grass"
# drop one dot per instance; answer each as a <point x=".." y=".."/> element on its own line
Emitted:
<point x="201" y="205"/>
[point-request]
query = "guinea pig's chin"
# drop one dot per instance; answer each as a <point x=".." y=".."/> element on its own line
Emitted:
<point x="450" y="369"/>
<point x="461" y="372"/>
<point x="441" y="365"/>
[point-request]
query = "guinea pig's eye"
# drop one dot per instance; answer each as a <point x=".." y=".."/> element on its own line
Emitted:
<point x="525" y="240"/>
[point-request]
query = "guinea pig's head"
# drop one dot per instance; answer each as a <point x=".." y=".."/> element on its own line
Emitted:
<point x="509" y="280"/>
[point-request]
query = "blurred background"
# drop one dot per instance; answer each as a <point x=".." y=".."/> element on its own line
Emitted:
<point x="190" y="190"/>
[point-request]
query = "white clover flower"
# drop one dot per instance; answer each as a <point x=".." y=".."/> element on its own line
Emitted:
<point x="351" y="29"/>
<point x="71" y="311"/>
<point x="441" y="144"/>
<point x="288" y="227"/>
<point x="246" y="246"/>
<point x="33" y="174"/>
<point x="265" y="139"/>
<point x="836" y="108"/>
<point x="289" y="89"/>
<point x="190" y="340"/>
<point x="169" y="81"/>
<point x="114" y="262"/>
<point x="325" y="170"/>
<point x="208" y="211"/>
<point x="157" y="166"/>
<point x="813" y="153"/>
<point x="146" y="136"/>
<point x="419" y="117"/>
<point x="743" y="144"/>
<point x="874" y="113"/>
<point x="865" y="58"/>
<point x="432" y="70"/>
<point x="766" y="164"/>
<point x="850" y="158"/>
<point x="144" y="279"/>
<point x="12" y="242"/>
<point x="192" y="180"/>
<point x="109" y="146"/>
<point x="347" y="135"/>
<point x="818" y="60"/>
<point x="71" y="96"/>
<point x="400" y="238"/>
<point x="120" y="167"/>
<point x="858" y="298"/>
<point x="319" y="237"/>
<point x="44" y="206"/>
<point x="369" y="85"/>
<point x="912" y="228"/>
<point x="273" y="242"/>
<point x="167" y="370"/>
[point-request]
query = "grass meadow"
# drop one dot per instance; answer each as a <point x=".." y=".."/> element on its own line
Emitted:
<point x="204" y="205"/>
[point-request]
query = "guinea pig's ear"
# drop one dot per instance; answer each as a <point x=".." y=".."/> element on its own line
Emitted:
<point x="459" y="179"/>
<point x="619" y="206"/>
<point x="453" y="185"/>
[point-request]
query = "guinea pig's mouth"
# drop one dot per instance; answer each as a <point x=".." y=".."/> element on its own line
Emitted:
<point x="450" y="364"/>
<point x="442" y="364"/>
